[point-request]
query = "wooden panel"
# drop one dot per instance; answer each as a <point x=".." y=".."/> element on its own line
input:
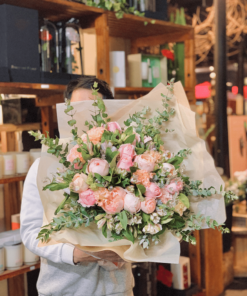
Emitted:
<point x="103" y="48"/>
<point x="56" y="10"/>
<point x="195" y="260"/>
<point x="31" y="88"/>
<point x="47" y="122"/>
<point x="49" y="100"/>
<point x="212" y="262"/>
<point x="7" y="274"/>
<point x="189" y="68"/>
<point x="16" y="286"/>
<point x="133" y="27"/>
<point x="12" y="202"/>
<point x="9" y="141"/>
<point x="10" y="179"/>
<point x="161" y="39"/>
<point x="21" y="127"/>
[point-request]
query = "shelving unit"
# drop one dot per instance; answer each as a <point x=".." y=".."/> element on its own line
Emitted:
<point x="11" y="179"/>
<point x="106" y="26"/>
<point x="7" y="274"/>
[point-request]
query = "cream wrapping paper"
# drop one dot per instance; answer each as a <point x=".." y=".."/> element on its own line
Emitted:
<point x="199" y="166"/>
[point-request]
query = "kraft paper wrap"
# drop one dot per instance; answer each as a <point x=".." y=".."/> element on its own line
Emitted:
<point x="199" y="166"/>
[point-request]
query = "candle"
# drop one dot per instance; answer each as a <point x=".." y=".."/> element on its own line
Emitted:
<point x="34" y="154"/>
<point x="13" y="255"/>
<point x="22" y="162"/>
<point x="29" y="257"/>
<point x="8" y="164"/>
<point x="2" y="264"/>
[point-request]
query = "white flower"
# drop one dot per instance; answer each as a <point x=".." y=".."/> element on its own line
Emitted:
<point x="118" y="228"/>
<point x="110" y="224"/>
<point x="101" y="223"/>
<point x="161" y="212"/>
<point x="152" y="229"/>
<point x="155" y="218"/>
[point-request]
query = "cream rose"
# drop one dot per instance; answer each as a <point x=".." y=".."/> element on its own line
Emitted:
<point x="145" y="162"/>
<point x="78" y="183"/>
<point x="99" y="166"/>
<point x="132" y="203"/>
<point x="168" y="168"/>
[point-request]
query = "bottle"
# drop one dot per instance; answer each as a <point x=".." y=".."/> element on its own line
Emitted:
<point x="150" y="80"/>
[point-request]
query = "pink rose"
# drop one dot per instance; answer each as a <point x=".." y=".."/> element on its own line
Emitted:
<point x="166" y="196"/>
<point x="153" y="191"/>
<point x="127" y="150"/>
<point x="94" y="134"/>
<point x="87" y="198"/>
<point x="99" y="166"/>
<point x="168" y="168"/>
<point x="147" y="139"/>
<point x="172" y="188"/>
<point x="145" y="162"/>
<point x="112" y="126"/>
<point x="113" y="205"/>
<point x="179" y="183"/>
<point x="132" y="203"/>
<point x="73" y="154"/>
<point x="137" y="138"/>
<point x="125" y="163"/>
<point x="78" y="183"/>
<point x="148" y="206"/>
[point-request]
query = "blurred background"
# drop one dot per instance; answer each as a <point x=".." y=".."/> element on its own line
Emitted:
<point x="202" y="43"/>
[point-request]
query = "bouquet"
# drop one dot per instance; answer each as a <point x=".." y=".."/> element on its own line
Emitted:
<point x="124" y="180"/>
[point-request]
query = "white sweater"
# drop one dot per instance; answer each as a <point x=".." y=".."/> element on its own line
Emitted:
<point x="58" y="274"/>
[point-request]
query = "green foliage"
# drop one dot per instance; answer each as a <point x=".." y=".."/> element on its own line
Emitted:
<point x="122" y="216"/>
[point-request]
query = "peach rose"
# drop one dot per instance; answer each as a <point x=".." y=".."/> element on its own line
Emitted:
<point x="142" y="177"/>
<point x="87" y="198"/>
<point x="118" y="192"/>
<point x="148" y="206"/>
<point x="152" y="191"/>
<point x="155" y="154"/>
<point x="101" y="195"/>
<point x="168" y="168"/>
<point x="78" y="183"/>
<point x="99" y="166"/>
<point x="132" y="203"/>
<point x="73" y="154"/>
<point x="127" y="150"/>
<point x="166" y="196"/>
<point x="94" y="134"/>
<point x="113" y="205"/>
<point x="125" y="163"/>
<point x="145" y="162"/>
<point x="112" y="126"/>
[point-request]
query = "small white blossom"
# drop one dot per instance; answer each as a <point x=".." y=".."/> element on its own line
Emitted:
<point x="110" y="224"/>
<point x="161" y="212"/>
<point x="118" y="228"/>
<point x="155" y="218"/>
<point x="152" y="229"/>
<point x="101" y="223"/>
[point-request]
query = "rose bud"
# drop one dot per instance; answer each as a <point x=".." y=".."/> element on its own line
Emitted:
<point x="78" y="183"/>
<point x="73" y="155"/>
<point x="112" y="126"/>
<point x="99" y="166"/>
<point x="148" y="206"/>
<point x="127" y="150"/>
<point x="132" y="203"/>
<point x="125" y="163"/>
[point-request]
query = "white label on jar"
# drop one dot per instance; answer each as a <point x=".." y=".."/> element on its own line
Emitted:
<point x="32" y="267"/>
<point x="18" y="262"/>
<point x="9" y="164"/>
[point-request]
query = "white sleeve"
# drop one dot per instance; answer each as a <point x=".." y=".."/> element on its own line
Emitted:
<point x="31" y="221"/>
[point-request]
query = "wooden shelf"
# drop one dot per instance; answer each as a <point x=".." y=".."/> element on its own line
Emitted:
<point x="23" y="269"/>
<point x="137" y="90"/>
<point x="12" y="178"/>
<point x="31" y="88"/>
<point x="9" y="127"/>
<point x="57" y="10"/>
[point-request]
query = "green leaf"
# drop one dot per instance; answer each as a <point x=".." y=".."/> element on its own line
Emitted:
<point x="184" y="199"/>
<point x="166" y="221"/>
<point x="141" y="188"/>
<point x="56" y="186"/>
<point x="176" y="161"/>
<point x="104" y="230"/>
<point x="113" y="162"/>
<point x="61" y="205"/>
<point x="98" y="177"/>
<point x="145" y="217"/>
<point x="128" y="234"/>
<point x="129" y="131"/>
<point x="139" y="150"/>
<point x="130" y="139"/>
<point x="123" y="219"/>
<point x="107" y="178"/>
<point x="133" y="169"/>
<point x="72" y="122"/>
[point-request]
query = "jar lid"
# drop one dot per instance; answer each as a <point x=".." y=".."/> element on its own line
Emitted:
<point x="12" y="243"/>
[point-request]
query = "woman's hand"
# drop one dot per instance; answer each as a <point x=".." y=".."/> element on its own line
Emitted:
<point x="81" y="256"/>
